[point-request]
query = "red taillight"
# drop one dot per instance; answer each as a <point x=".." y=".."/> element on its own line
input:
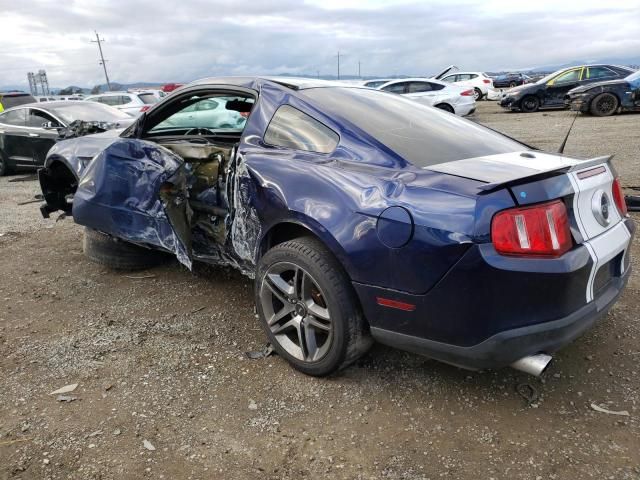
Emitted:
<point x="618" y="197"/>
<point x="541" y="230"/>
<point x="467" y="93"/>
<point x="486" y="80"/>
<point x="145" y="108"/>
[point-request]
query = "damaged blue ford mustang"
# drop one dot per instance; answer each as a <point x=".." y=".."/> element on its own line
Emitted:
<point x="361" y="216"/>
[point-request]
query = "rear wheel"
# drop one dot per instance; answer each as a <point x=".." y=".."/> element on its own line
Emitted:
<point x="529" y="104"/>
<point x="308" y="308"/>
<point x="604" y="105"/>
<point x="118" y="254"/>
<point x="477" y="94"/>
<point x="446" y="107"/>
<point x="513" y="84"/>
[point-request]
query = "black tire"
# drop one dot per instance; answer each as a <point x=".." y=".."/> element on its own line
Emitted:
<point x="477" y="94"/>
<point x="118" y="254"/>
<point x="513" y="84"/>
<point x="348" y="333"/>
<point x="4" y="167"/>
<point x="530" y="104"/>
<point x="446" y="107"/>
<point x="604" y="105"/>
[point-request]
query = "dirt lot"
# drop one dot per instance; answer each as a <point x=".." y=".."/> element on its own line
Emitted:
<point x="159" y="356"/>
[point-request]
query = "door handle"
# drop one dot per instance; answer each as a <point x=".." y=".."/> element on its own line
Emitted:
<point x="33" y="135"/>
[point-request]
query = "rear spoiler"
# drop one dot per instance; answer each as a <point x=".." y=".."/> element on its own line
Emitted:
<point x="516" y="180"/>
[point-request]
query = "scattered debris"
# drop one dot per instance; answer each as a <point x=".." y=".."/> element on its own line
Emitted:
<point x="140" y="277"/>
<point x="528" y="392"/>
<point x="108" y="387"/>
<point x="148" y="445"/>
<point x="253" y="405"/>
<point x="258" y="354"/>
<point x="66" y="398"/>
<point x="11" y="442"/>
<point x="117" y="432"/>
<point x="27" y="178"/>
<point x="36" y="199"/>
<point x="62" y="216"/>
<point x="597" y="408"/>
<point x="197" y="310"/>
<point x="66" y="389"/>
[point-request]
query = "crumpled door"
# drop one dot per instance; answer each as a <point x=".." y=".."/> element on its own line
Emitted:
<point x="137" y="191"/>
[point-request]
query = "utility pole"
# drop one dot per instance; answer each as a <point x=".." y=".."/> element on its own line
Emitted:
<point x="359" y="76"/>
<point x="102" y="60"/>
<point x="339" y="64"/>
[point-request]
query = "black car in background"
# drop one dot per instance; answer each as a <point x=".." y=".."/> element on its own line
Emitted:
<point x="13" y="99"/>
<point x="606" y="98"/>
<point x="549" y="92"/>
<point x="27" y="132"/>
<point x="510" y="80"/>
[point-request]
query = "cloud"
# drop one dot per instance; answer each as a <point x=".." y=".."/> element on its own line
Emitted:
<point x="180" y="41"/>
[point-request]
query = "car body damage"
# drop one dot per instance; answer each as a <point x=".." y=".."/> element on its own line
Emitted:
<point x="327" y="193"/>
<point x="135" y="190"/>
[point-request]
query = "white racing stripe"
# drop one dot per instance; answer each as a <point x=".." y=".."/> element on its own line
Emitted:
<point x="602" y="242"/>
<point x="604" y="248"/>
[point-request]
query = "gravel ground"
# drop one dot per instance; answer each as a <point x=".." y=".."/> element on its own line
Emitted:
<point x="166" y="391"/>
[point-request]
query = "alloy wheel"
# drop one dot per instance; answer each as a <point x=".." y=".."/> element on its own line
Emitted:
<point x="296" y="311"/>
<point x="606" y="104"/>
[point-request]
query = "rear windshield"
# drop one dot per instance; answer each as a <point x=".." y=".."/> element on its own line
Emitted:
<point x="148" y="98"/>
<point x="421" y="135"/>
<point x="88" y="112"/>
<point x="15" y="100"/>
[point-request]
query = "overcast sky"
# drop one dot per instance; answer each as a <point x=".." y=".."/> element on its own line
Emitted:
<point x="181" y="40"/>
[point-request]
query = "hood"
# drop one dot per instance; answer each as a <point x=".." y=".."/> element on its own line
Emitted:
<point x="584" y="88"/>
<point x="79" y="150"/>
<point x="449" y="69"/>
<point x="521" y="89"/>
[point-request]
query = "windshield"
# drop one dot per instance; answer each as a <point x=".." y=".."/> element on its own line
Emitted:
<point x="550" y="76"/>
<point x="148" y="98"/>
<point x="88" y="112"/>
<point x="421" y="135"/>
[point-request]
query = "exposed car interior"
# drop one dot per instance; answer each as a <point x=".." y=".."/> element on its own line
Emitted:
<point x="203" y="129"/>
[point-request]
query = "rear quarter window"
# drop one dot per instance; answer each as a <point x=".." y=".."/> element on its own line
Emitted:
<point x="291" y="128"/>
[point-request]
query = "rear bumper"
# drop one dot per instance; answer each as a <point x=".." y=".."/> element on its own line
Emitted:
<point x="506" y="347"/>
<point x="490" y="310"/>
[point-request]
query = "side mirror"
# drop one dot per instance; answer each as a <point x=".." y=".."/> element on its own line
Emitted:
<point x="51" y="126"/>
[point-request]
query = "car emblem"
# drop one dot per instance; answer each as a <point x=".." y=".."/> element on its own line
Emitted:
<point x="600" y="206"/>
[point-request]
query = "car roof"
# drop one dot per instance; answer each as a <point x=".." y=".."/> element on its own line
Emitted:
<point x="464" y="72"/>
<point x="48" y="105"/>
<point x="418" y="79"/>
<point x="295" y="83"/>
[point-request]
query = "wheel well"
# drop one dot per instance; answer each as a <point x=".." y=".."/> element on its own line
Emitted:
<point x="57" y="182"/>
<point x="449" y="108"/>
<point x="284" y="232"/>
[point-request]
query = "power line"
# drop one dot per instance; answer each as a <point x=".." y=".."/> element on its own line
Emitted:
<point x="102" y="60"/>
<point x="339" y="63"/>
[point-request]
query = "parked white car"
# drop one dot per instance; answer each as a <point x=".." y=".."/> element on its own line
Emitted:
<point x="434" y="93"/>
<point x="131" y="103"/>
<point x="479" y="81"/>
<point x="375" y="83"/>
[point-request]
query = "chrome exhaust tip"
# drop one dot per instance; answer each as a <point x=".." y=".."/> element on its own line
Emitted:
<point x="533" y="364"/>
